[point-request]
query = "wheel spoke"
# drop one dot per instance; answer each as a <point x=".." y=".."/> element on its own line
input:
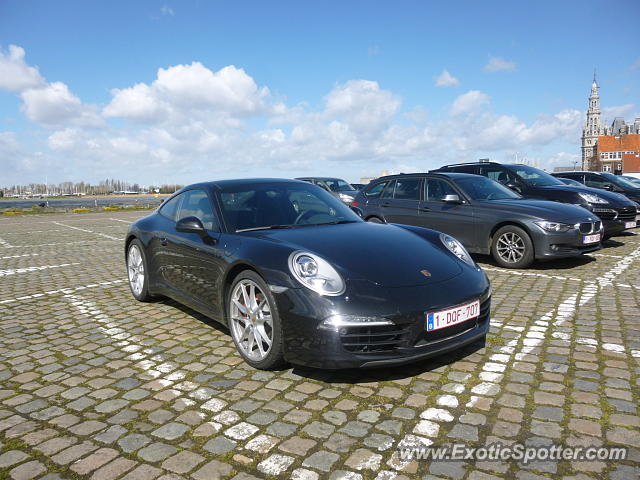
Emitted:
<point x="258" y="341"/>
<point x="261" y="334"/>
<point x="243" y="309"/>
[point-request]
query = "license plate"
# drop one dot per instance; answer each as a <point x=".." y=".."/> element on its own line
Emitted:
<point x="452" y="316"/>
<point x="629" y="224"/>
<point x="591" y="238"/>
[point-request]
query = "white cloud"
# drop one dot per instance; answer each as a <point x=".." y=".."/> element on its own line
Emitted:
<point x="498" y="64"/>
<point x="362" y="104"/>
<point x="469" y="102"/>
<point x="15" y="74"/>
<point x="184" y="90"/>
<point x="445" y="79"/>
<point x="609" y="113"/>
<point x="167" y="10"/>
<point x="191" y="120"/>
<point x="56" y="105"/>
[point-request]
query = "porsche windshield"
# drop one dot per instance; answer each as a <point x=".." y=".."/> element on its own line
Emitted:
<point x="264" y="206"/>
<point x="483" y="188"/>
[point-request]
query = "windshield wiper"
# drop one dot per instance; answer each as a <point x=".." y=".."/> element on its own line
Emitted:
<point x="269" y="227"/>
<point x="337" y="222"/>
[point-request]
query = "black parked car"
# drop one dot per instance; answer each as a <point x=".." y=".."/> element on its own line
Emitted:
<point x="335" y="186"/>
<point x="606" y="181"/>
<point x="484" y="215"/>
<point x="616" y="212"/>
<point x="296" y="275"/>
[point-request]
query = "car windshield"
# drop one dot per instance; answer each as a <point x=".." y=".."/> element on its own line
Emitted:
<point x="570" y="181"/>
<point x="483" y="188"/>
<point x="262" y="206"/>
<point x="634" y="180"/>
<point x="535" y="176"/>
<point x="337" y="185"/>
<point x="617" y="180"/>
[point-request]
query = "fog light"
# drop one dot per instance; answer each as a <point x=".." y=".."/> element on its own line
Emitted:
<point x="337" y="323"/>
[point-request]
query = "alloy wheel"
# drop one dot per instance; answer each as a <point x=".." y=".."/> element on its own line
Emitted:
<point x="135" y="268"/>
<point x="251" y="320"/>
<point x="510" y="247"/>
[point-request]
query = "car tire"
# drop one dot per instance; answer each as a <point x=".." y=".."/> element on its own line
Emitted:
<point x="252" y="329"/>
<point x="137" y="271"/>
<point x="511" y="247"/>
<point x="374" y="220"/>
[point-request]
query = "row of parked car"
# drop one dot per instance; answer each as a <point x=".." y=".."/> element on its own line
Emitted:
<point x="515" y="213"/>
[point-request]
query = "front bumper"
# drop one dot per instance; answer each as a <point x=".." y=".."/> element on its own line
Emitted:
<point x="614" y="220"/>
<point x="549" y="245"/>
<point x="407" y="340"/>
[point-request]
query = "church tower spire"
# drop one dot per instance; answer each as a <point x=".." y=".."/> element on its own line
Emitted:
<point x="592" y="128"/>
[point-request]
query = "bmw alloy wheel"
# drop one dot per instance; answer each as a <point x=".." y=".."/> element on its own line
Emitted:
<point x="135" y="268"/>
<point x="511" y="247"/>
<point x="251" y="320"/>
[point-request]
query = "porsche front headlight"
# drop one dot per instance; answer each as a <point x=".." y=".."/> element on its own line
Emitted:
<point x="316" y="273"/>
<point x="593" y="198"/>
<point x="457" y="249"/>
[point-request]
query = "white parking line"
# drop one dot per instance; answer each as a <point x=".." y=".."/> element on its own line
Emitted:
<point x="87" y="231"/>
<point x="554" y="277"/>
<point x="15" y="271"/>
<point x="4" y="243"/>
<point x="49" y="244"/>
<point x="123" y="221"/>
<point x="68" y="290"/>
<point x="492" y="371"/>
<point x="20" y="256"/>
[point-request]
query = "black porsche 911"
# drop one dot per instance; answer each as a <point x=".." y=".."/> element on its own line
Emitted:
<point x="297" y="276"/>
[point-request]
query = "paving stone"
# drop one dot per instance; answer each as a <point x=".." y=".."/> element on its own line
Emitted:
<point x="275" y="464"/>
<point x="12" y="457"/>
<point x="297" y="445"/>
<point x="156" y="452"/>
<point x="170" y="431"/>
<point x="219" y="445"/>
<point x="94" y="461"/>
<point x="113" y="469"/>
<point x="133" y="442"/>
<point x="321" y="460"/>
<point x="213" y="470"/>
<point x="183" y="462"/>
<point x="28" y="470"/>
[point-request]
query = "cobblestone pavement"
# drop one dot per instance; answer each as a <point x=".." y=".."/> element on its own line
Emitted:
<point x="96" y="385"/>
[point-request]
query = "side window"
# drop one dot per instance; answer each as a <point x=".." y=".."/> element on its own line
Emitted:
<point x="197" y="204"/>
<point x="472" y="169"/>
<point x="376" y="190"/>
<point x="407" y="189"/>
<point x="388" y="192"/>
<point x="596" y="181"/>
<point x="498" y="174"/>
<point x="436" y="190"/>
<point x="170" y="208"/>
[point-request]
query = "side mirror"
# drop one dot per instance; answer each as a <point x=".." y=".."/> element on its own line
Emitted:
<point x="512" y="186"/>
<point x="452" y="199"/>
<point x="609" y="187"/>
<point x="190" y="225"/>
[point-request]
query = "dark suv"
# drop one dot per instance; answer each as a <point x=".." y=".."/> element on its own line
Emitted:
<point x="616" y="212"/>
<point x="485" y="216"/>
<point x="605" y="181"/>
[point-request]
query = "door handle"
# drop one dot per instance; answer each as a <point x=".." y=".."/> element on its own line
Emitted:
<point x="386" y="204"/>
<point x="164" y="242"/>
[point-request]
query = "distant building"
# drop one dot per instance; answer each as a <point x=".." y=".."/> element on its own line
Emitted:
<point x="614" y="148"/>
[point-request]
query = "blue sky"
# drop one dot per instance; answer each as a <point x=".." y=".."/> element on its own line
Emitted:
<point x="153" y="92"/>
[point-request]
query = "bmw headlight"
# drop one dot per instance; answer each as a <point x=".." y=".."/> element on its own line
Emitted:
<point x="345" y="198"/>
<point x="593" y="198"/>
<point x="316" y="273"/>
<point x="555" y="227"/>
<point x="456" y="248"/>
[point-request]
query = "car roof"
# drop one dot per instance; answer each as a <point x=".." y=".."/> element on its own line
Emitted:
<point x="574" y="171"/>
<point x="451" y="175"/>
<point x="466" y="164"/>
<point x="319" y="178"/>
<point x="222" y="184"/>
